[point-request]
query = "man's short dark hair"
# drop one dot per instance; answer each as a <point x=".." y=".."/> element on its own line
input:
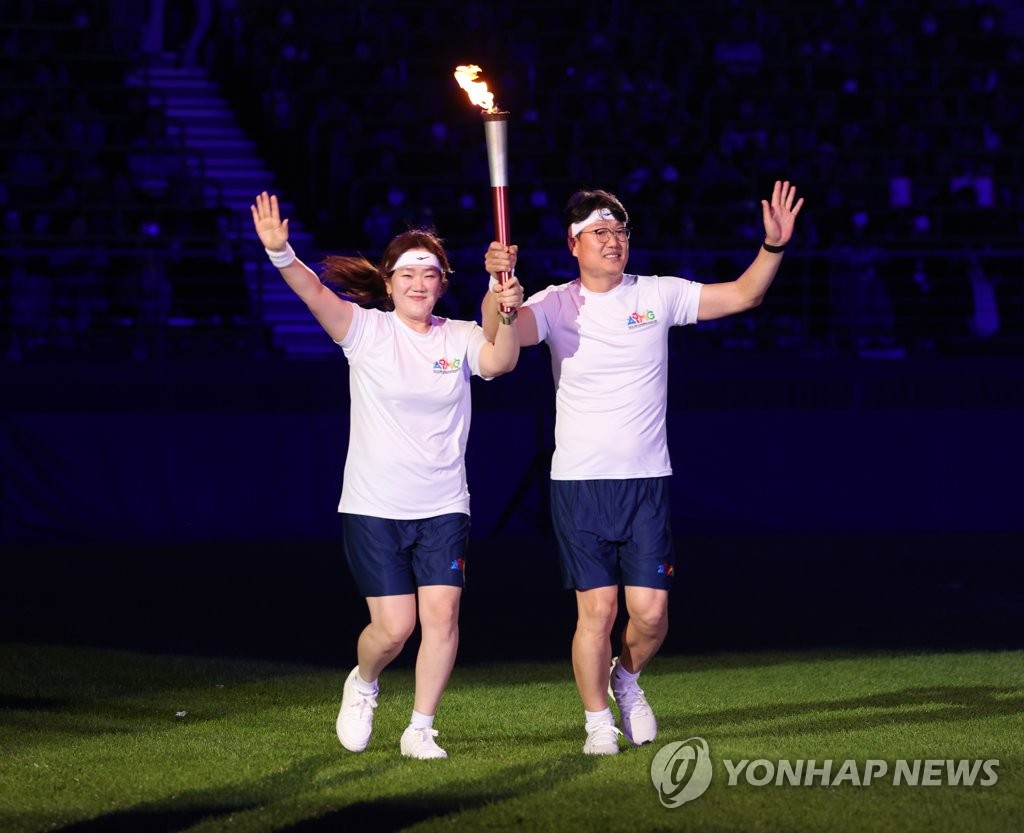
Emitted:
<point x="583" y="202"/>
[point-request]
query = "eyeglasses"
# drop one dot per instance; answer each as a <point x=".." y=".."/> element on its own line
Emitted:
<point x="603" y="235"/>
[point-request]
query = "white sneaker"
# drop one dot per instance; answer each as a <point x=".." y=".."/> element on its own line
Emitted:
<point x="355" y="718"/>
<point x="638" y="723"/>
<point x="602" y="739"/>
<point x="419" y="743"/>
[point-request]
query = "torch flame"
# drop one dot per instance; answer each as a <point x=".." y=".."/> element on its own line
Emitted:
<point x="477" y="90"/>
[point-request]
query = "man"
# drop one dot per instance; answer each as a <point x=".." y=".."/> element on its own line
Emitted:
<point x="608" y="335"/>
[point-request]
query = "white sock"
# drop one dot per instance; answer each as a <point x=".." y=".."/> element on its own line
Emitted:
<point x="623" y="678"/>
<point x="364" y="687"/>
<point x="421" y="721"/>
<point x="597" y="718"/>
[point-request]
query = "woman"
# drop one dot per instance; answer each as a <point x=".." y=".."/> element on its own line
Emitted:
<point x="404" y="501"/>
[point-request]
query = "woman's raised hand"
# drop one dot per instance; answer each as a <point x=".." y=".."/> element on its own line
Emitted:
<point x="266" y="217"/>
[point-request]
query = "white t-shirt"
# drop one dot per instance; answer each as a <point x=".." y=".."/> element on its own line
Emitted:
<point x="410" y="415"/>
<point x="609" y="356"/>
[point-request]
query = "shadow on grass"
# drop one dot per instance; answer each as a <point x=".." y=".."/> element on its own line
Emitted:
<point x="383" y="815"/>
<point x="388" y="814"/>
<point x="935" y="704"/>
<point x="290" y="794"/>
<point x="149" y="819"/>
<point x="398" y="812"/>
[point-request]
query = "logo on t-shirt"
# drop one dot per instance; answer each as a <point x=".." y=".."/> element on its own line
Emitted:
<point x="447" y="365"/>
<point x="641" y="319"/>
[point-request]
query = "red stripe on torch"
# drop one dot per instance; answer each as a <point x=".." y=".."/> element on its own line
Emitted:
<point x="499" y="202"/>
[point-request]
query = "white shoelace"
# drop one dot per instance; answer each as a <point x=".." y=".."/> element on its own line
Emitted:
<point x="362" y="702"/>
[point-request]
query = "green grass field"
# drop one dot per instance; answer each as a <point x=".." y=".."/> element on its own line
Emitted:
<point x="102" y="740"/>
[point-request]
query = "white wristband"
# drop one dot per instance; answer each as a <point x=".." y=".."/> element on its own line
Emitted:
<point x="494" y="282"/>
<point x="282" y="259"/>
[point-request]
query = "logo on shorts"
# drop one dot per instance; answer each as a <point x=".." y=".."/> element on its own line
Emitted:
<point x="447" y="365"/>
<point x="666" y="569"/>
<point x="641" y="319"/>
<point x="459" y="564"/>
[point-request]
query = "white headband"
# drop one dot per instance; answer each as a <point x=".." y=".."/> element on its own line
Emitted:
<point x="417" y="257"/>
<point x="596" y="215"/>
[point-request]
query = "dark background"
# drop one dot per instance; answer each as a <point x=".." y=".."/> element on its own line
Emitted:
<point x="174" y="425"/>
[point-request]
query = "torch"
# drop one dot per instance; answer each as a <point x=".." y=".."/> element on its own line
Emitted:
<point x="496" y="135"/>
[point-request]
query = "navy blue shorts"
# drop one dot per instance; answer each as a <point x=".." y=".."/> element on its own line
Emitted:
<point x="613" y="532"/>
<point x="392" y="558"/>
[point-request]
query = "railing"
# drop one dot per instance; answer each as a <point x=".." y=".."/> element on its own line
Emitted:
<point x="157" y="296"/>
<point x="123" y="296"/>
